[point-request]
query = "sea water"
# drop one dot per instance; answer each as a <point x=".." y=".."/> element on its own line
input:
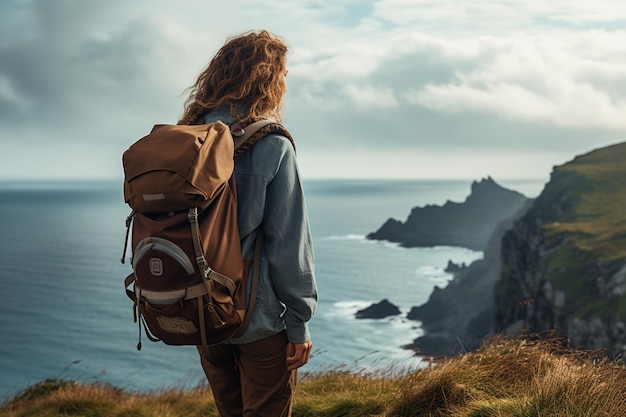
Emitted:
<point x="64" y="312"/>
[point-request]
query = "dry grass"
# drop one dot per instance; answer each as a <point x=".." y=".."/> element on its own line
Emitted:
<point x="53" y="398"/>
<point x="508" y="377"/>
<point x="517" y="377"/>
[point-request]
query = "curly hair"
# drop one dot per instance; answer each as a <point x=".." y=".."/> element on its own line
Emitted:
<point x="246" y="74"/>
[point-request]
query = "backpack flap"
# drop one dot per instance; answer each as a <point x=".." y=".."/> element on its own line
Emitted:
<point x="177" y="166"/>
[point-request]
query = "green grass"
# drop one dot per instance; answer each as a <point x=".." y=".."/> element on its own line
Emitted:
<point x="507" y="377"/>
<point x="595" y="187"/>
<point x="584" y="231"/>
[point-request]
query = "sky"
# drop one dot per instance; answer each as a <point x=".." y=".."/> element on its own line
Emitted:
<point x="376" y="88"/>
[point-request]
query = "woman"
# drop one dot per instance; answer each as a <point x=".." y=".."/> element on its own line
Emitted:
<point x="254" y="374"/>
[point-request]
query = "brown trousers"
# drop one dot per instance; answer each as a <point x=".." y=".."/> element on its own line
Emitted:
<point x="250" y="379"/>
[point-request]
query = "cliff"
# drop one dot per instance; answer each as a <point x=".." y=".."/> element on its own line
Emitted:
<point x="469" y="224"/>
<point x="564" y="262"/>
<point x="460" y="316"/>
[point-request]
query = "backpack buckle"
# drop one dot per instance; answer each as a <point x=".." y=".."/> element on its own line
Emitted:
<point x="238" y="132"/>
<point x="204" y="265"/>
<point x="192" y="215"/>
<point x="201" y="261"/>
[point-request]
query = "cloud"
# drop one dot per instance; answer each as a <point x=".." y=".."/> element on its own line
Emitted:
<point x="370" y="97"/>
<point x="560" y="80"/>
<point x="435" y="78"/>
<point x="503" y="15"/>
<point x="10" y="96"/>
<point x="536" y="80"/>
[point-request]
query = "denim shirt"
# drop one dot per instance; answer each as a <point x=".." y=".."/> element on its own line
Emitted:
<point x="270" y="196"/>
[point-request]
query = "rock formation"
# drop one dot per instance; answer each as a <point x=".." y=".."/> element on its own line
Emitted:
<point x="468" y="224"/>
<point x="378" y="310"/>
<point x="459" y="316"/>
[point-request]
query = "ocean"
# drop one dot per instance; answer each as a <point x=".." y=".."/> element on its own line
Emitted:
<point x="64" y="313"/>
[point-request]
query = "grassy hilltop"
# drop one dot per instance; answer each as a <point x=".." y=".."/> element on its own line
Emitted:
<point x="507" y="377"/>
<point x="595" y="189"/>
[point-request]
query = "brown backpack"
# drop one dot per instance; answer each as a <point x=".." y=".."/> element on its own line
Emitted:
<point x="189" y="275"/>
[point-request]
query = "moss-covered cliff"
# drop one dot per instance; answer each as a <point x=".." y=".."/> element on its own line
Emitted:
<point x="564" y="261"/>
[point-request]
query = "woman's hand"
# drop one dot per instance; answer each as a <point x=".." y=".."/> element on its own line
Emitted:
<point x="298" y="354"/>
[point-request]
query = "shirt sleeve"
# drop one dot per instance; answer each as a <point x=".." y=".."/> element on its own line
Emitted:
<point x="288" y="244"/>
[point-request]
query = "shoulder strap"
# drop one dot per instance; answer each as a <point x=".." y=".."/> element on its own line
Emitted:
<point x="247" y="136"/>
<point x="244" y="138"/>
<point x="241" y="135"/>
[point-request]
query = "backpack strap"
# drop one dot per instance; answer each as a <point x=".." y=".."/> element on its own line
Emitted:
<point x="129" y="221"/>
<point x="242" y="133"/>
<point x="246" y="135"/>
<point x="256" y="273"/>
<point x="209" y="274"/>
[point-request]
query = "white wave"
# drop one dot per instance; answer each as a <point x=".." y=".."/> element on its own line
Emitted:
<point x="346" y="237"/>
<point x="429" y="270"/>
<point x="347" y="309"/>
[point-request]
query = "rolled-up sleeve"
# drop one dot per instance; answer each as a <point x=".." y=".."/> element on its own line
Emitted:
<point x="288" y="244"/>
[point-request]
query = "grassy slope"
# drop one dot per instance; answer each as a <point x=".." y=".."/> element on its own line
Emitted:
<point x="594" y="227"/>
<point x="507" y="377"/>
<point x="597" y="222"/>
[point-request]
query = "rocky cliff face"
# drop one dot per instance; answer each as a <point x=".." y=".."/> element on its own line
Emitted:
<point x="469" y="224"/>
<point x="563" y="264"/>
<point x="460" y="316"/>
